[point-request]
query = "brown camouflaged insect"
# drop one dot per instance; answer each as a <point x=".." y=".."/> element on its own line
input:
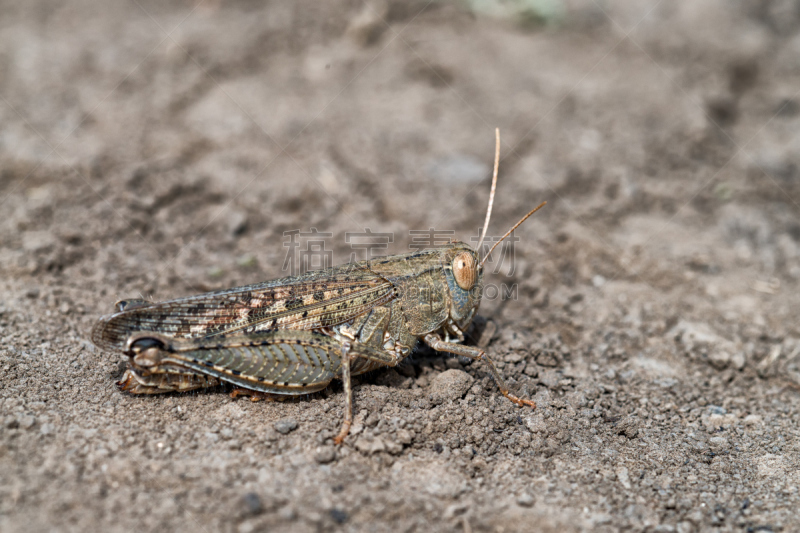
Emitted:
<point x="294" y="335"/>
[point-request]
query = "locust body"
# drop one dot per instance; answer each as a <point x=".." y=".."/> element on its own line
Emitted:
<point x="293" y="336"/>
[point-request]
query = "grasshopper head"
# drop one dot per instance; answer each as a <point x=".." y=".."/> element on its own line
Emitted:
<point x="464" y="266"/>
<point x="464" y="274"/>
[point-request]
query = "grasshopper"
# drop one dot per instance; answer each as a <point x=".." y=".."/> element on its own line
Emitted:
<point x="294" y="335"/>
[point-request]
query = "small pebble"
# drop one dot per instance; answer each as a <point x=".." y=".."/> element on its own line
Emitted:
<point x="365" y="445"/>
<point x="719" y="359"/>
<point x="738" y="360"/>
<point x="623" y="478"/>
<point x="404" y="436"/>
<point x="628" y="426"/>
<point x="450" y="385"/>
<point x="26" y="422"/>
<point x="252" y="503"/>
<point x="394" y="448"/>
<point x="547" y="358"/>
<point x="285" y="425"/>
<point x="525" y="500"/>
<point x="718" y="443"/>
<point x="339" y="516"/>
<point x="325" y="455"/>
<point x="752" y="420"/>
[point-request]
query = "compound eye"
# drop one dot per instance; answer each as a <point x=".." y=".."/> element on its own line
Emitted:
<point x="465" y="271"/>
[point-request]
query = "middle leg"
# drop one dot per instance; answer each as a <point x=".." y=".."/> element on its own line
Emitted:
<point x="348" y="395"/>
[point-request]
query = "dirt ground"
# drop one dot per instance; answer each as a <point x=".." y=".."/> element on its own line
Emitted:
<point x="160" y="149"/>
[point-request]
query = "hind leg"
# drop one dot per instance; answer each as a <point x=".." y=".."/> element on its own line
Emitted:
<point x="149" y="373"/>
<point x="136" y="381"/>
<point x="257" y="396"/>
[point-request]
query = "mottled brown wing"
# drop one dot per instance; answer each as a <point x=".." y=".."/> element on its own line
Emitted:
<point x="312" y="300"/>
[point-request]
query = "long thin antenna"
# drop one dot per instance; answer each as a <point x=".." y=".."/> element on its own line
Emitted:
<point x="541" y="205"/>
<point x="494" y="186"/>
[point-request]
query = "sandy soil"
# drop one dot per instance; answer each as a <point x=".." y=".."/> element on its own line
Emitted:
<point x="160" y="149"/>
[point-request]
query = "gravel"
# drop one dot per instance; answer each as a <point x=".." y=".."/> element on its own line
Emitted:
<point x="651" y="311"/>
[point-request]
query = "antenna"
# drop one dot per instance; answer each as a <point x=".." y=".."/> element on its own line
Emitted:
<point x="485" y="257"/>
<point x="494" y="186"/>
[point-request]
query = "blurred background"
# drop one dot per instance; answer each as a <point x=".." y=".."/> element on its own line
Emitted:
<point x="161" y="133"/>
<point x="160" y="149"/>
